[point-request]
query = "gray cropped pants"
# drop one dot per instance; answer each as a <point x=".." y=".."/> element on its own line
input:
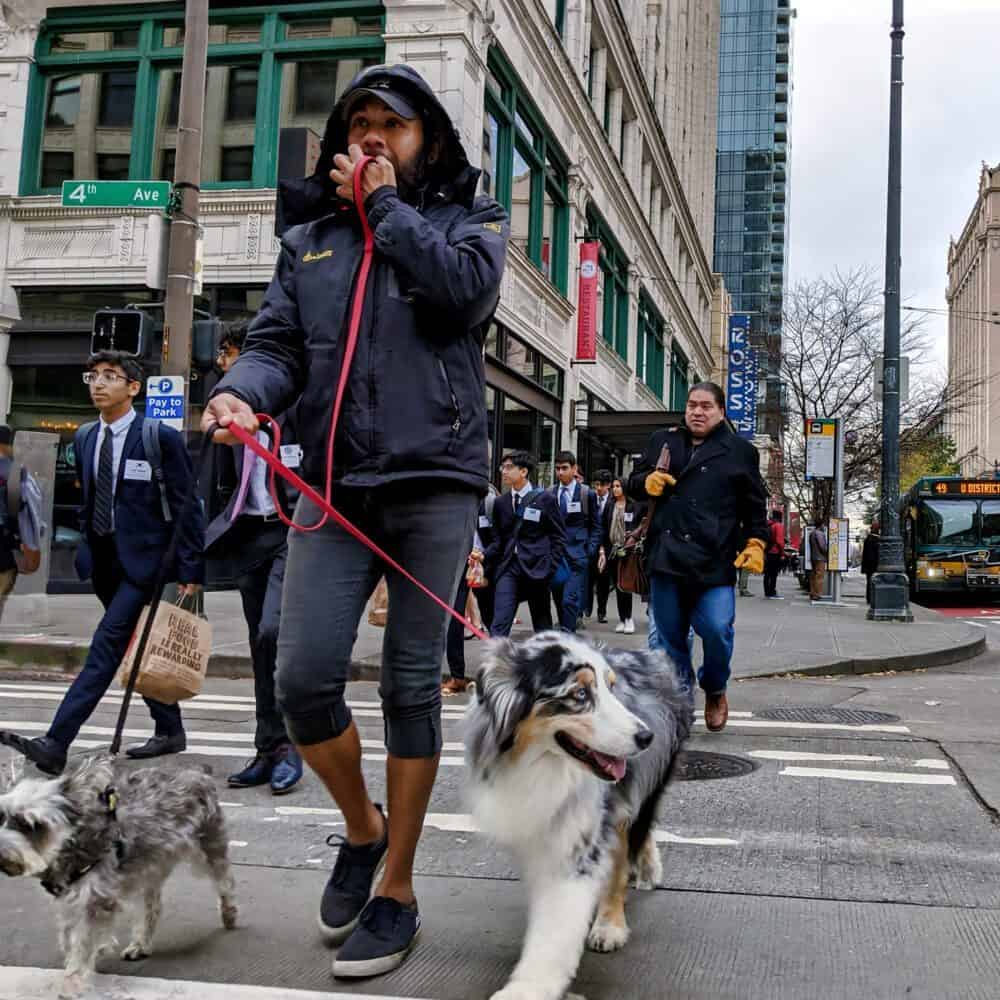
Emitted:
<point x="328" y="580"/>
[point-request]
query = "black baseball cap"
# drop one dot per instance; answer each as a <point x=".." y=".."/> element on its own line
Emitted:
<point x="382" y="90"/>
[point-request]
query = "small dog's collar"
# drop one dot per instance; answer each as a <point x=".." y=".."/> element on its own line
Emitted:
<point x="109" y="798"/>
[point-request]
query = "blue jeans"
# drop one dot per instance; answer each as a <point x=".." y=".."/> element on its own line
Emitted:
<point x="679" y="606"/>
<point x="328" y="580"/>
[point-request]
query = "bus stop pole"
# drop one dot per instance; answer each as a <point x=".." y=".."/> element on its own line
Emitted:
<point x="838" y="502"/>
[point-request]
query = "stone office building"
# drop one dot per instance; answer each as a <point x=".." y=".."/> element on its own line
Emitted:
<point x="590" y="119"/>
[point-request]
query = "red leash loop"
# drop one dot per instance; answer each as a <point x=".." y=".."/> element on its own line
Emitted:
<point x="272" y="457"/>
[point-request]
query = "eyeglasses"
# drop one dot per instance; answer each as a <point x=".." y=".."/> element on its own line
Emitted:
<point x="104" y="378"/>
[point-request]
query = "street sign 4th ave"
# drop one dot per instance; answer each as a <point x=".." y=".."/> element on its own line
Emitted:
<point x="115" y="194"/>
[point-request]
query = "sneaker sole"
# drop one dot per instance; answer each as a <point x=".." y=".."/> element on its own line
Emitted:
<point x="374" y="966"/>
<point x="338" y="935"/>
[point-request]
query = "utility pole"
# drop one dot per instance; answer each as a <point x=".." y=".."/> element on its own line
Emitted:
<point x="890" y="587"/>
<point x="178" y="312"/>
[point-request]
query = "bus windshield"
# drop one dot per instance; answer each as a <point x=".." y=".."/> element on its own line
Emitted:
<point x="991" y="522"/>
<point x="950" y="522"/>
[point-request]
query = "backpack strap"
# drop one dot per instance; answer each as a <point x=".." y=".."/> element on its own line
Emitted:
<point x="154" y="455"/>
<point x="488" y="504"/>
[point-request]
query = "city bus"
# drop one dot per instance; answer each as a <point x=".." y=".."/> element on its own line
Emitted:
<point x="951" y="535"/>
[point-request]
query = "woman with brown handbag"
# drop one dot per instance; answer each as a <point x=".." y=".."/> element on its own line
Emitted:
<point x="621" y="529"/>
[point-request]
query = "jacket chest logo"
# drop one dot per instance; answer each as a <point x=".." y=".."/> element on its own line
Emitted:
<point x="311" y="257"/>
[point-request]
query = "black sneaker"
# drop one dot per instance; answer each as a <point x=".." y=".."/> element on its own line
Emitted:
<point x="350" y="884"/>
<point x="384" y="937"/>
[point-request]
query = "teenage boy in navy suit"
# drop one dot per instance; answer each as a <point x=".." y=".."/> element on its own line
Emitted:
<point x="125" y="538"/>
<point x="528" y="547"/>
<point x="579" y="508"/>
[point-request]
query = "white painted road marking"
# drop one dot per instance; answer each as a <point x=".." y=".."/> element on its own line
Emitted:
<point x="464" y="823"/>
<point x="842" y="727"/>
<point x="18" y="983"/>
<point x="43" y="727"/>
<point x="932" y="763"/>
<point x="883" y="777"/>
<point x="802" y="755"/>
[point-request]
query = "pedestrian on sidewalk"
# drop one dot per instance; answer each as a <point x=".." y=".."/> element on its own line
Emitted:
<point x="869" y="558"/>
<point x="20" y="519"/>
<point x="599" y="581"/>
<point x="622" y="520"/>
<point x="578" y="507"/>
<point x="708" y="522"/>
<point x="774" y="556"/>
<point x="249" y="535"/>
<point x="410" y="463"/>
<point x="456" y="682"/>
<point x="125" y="538"/>
<point x="528" y="546"/>
<point x="818" y="551"/>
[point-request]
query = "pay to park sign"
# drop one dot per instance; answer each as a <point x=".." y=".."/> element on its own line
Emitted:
<point x="115" y="194"/>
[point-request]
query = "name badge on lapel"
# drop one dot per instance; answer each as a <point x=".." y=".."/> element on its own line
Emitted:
<point x="573" y="508"/>
<point x="485" y="522"/>
<point x="628" y="517"/>
<point x="139" y="471"/>
<point x="291" y="456"/>
<point x="532" y="514"/>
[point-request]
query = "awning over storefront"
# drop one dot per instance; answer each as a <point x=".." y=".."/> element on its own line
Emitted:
<point x="627" y="431"/>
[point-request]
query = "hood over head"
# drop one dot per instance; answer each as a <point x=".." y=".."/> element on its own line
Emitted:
<point x="301" y="201"/>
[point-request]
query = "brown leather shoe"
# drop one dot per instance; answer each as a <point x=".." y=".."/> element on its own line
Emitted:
<point x="716" y="712"/>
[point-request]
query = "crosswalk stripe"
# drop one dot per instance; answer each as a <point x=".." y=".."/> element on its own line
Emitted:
<point x="933" y="764"/>
<point x="803" y="755"/>
<point x="21" y="983"/>
<point x="43" y="727"/>
<point x="360" y="709"/>
<point x="809" y="726"/>
<point x="464" y="823"/>
<point x="239" y="753"/>
<point x="882" y="777"/>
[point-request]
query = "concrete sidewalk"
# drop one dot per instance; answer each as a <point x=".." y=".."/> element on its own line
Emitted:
<point x="772" y="637"/>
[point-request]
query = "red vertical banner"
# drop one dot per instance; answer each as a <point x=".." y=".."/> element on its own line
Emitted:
<point x="586" y="308"/>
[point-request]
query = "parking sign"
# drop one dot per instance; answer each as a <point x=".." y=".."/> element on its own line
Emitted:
<point x="165" y="400"/>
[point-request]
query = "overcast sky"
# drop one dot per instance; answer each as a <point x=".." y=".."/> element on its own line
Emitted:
<point x="839" y="133"/>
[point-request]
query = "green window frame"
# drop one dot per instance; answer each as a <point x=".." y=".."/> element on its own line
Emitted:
<point x="614" y="282"/>
<point x="679" y="367"/>
<point x="650" y="356"/>
<point x="521" y="130"/>
<point x="149" y="56"/>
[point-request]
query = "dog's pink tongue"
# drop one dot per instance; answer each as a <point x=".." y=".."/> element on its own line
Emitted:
<point x="615" y="766"/>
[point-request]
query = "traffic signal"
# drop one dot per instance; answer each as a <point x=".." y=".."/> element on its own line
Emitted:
<point x="128" y="330"/>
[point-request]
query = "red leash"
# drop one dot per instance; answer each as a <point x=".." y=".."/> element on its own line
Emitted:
<point x="277" y="466"/>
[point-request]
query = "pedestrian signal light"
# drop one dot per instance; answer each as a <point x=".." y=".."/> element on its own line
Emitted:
<point x="127" y="330"/>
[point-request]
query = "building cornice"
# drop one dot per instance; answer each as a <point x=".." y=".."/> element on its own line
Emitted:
<point x="37" y="208"/>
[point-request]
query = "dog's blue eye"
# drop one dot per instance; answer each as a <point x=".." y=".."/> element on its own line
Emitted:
<point x="581" y="695"/>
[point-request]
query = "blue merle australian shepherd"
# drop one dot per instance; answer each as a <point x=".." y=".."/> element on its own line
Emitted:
<point x="569" y="749"/>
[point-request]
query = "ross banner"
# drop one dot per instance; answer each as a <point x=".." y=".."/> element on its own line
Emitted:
<point x="741" y="380"/>
<point x="586" y="309"/>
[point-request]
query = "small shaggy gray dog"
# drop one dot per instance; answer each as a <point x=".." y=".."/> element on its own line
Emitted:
<point x="96" y="844"/>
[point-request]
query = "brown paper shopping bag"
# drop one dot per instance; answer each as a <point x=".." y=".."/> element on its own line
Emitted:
<point x="176" y="658"/>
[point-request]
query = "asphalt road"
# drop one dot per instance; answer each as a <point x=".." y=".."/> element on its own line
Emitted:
<point x="853" y="860"/>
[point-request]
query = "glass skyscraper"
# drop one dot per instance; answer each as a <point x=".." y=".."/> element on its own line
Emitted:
<point x="751" y="206"/>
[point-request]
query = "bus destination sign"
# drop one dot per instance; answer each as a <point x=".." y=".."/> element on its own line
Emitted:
<point x="967" y="488"/>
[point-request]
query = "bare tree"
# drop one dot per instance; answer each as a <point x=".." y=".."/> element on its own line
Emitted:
<point x="831" y="339"/>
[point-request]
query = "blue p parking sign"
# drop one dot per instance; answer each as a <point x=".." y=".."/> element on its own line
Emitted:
<point x="165" y="400"/>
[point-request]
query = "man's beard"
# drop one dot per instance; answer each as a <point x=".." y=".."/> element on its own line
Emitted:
<point x="411" y="178"/>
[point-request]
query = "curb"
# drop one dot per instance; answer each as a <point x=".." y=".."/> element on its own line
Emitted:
<point x="900" y="663"/>
<point x="61" y="659"/>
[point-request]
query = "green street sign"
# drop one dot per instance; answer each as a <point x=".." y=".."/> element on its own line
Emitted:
<point x="115" y="194"/>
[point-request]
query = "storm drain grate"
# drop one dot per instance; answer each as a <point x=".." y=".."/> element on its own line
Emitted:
<point x="819" y="714"/>
<point x="700" y="765"/>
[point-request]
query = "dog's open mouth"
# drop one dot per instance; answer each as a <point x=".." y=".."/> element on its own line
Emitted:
<point x="606" y="768"/>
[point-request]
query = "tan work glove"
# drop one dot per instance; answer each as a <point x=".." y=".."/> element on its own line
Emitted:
<point x="752" y="557"/>
<point x="657" y="482"/>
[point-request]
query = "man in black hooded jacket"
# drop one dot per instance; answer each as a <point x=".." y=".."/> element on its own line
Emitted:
<point x="409" y="467"/>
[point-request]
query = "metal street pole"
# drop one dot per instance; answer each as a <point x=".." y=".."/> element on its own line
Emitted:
<point x="178" y="311"/>
<point x="836" y="588"/>
<point x="890" y="587"/>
